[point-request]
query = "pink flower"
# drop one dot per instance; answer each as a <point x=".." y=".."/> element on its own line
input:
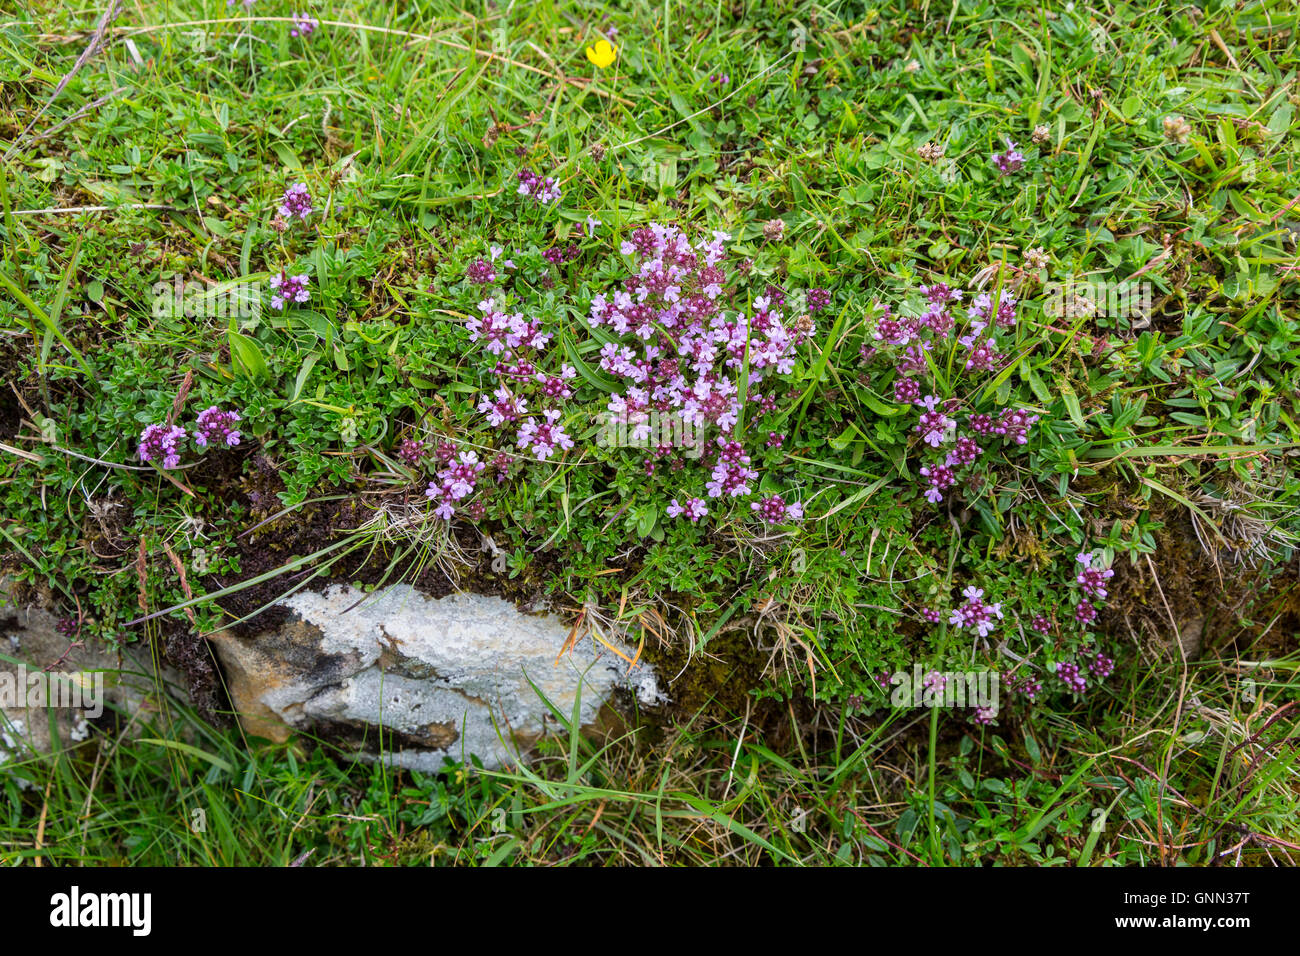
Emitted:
<point x="1069" y="674"/>
<point x="1011" y="161"/>
<point x="286" y="288"/>
<point x="940" y="478"/>
<point x="1093" y="580"/>
<point x="965" y="452"/>
<point x="975" y="614"/>
<point x="934" y="424"/>
<point x="216" y="426"/>
<point x="296" y="202"/>
<point x="160" y="443"/>
<point x="694" y="509"/>
<point x="505" y="408"/>
<point x="455" y="482"/>
<point x="774" y="510"/>
<point x="544" y="437"/>
<point x="543" y="190"/>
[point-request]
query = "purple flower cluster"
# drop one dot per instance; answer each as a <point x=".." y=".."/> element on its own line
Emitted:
<point x="774" y="510"/>
<point x="817" y="300"/>
<point x="906" y="391"/>
<point x="501" y="464"/>
<point x="975" y="614"/>
<point x="286" y="288"/>
<point x="296" y="202"/>
<point x="558" y="255"/>
<point x="503" y="334"/>
<point x="557" y="386"/>
<point x="161" y="443"/>
<point x="303" y="25"/>
<point x="455" y="482"/>
<point x="964" y="452"/>
<point x="503" y="407"/>
<point x="484" y="271"/>
<point x="731" y="472"/>
<point x="1068" y="672"/>
<point x="679" y="350"/>
<point x="480" y="272"/>
<point x="545" y="436"/>
<point x="410" y="451"/>
<point x="216" y="426"/>
<point x="694" y="509"/>
<point x="940" y="478"/>
<point x="1025" y="687"/>
<point x="1101" y="666"/>
<point x="683" y="346"/>
<point x="543" y="190"/>
<point x="935" y="682"/>
<point x="1092" y="581"/>
<point x="1071" y="674"/>
<point x="905" y="341"/>
<point x="518" y="343"/>
<point x="1010" y="161"/>
<point x="934" y="424"/>
<point x="1011" y="424"/>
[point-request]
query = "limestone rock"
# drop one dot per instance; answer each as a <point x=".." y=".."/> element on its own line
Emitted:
<point x="44" y="672"/>
<point x="411" y="679"/>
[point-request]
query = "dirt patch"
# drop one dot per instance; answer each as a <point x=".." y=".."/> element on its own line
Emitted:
<point x="11" y="415"/>
<point x="1211" y="606"/>
<point x="185" y="650"/>
<point x="275" y="540"/>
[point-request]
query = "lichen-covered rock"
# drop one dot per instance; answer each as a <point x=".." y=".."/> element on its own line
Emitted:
<point x="43" y="671"/>
<point x="412" y="679"/>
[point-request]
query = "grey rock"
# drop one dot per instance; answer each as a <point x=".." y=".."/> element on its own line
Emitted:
<point x="44" y="673"/>
<point x="419" y="679"/>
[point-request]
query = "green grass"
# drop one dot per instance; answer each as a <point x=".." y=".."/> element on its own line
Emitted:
<point x="1168" y="445"/>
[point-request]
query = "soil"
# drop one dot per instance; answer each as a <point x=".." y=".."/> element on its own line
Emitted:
<point x="1241" y="611"/>
<point x="10" y="412"/>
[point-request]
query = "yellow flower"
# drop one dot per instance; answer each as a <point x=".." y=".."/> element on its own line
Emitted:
<point x="602" y="54"/>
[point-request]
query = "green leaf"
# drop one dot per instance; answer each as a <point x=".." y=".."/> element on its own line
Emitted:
<point x="1036" y="385"/>
<point x="600" y="381"/>
<point x="1072" y="408"/>
<point x="301" y="379"/>
<point x="193" y="751"/>
<point x="247" y="357"/>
